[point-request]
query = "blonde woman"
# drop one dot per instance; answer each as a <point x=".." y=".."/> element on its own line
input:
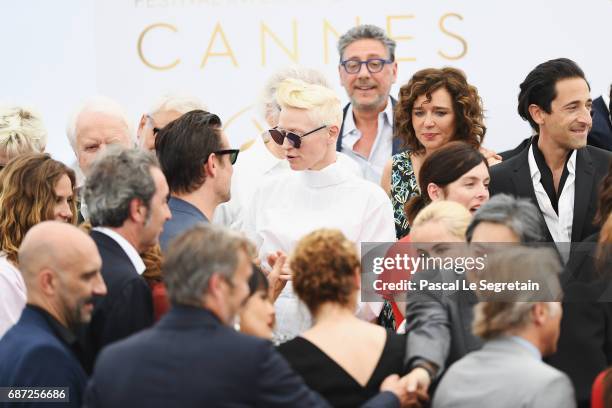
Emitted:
<point x="21" y="131"/>
<point x="33" y="188"/>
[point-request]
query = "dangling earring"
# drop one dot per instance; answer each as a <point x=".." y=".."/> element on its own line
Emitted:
<point x="237" y="323"/>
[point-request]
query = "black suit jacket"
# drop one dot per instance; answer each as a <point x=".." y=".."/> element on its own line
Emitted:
<point x="584" y="348"/>
<point x="190" y="359"/>
<point x="513" y="177"/>
<point x="601" y="132"/>
<point x="128" y="306"/>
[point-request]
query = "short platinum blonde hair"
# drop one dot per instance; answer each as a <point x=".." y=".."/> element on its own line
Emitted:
<point x="453" y="215"/>
<point x="513" y="312"/>
<point x="100" y="104"/>
<point x="267" y="105"/>
<point x="175" y="101"/>
<point x="321" y="103"/>
<point x="21" y="131"/>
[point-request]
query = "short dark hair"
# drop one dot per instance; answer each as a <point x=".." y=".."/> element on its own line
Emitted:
<point x="442" y="167"/>
<point x="184" y="145"/>
<point x="539" y="87"/>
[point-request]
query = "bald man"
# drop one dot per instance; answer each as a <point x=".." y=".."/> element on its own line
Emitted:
<point x="62" y="277"/>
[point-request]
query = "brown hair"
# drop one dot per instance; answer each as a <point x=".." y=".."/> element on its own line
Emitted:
<point x="443" y="167"/>
<point x="467" y="106"/>
<point x="323" y="266"/>
<point x="27" y="197"/>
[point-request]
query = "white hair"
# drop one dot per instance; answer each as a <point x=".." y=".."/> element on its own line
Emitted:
<point x="267" y="105"/>
<point x="321" y="103"/>
<point x="100" y="104"/>
<point x="21" y="131"/>
<point x="179" y="102"/>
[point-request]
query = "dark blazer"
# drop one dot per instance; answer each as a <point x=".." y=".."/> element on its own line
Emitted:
<point x="32" y="355"/>
<point x="128" y="306"/>
<point x="190" y="359"/>
<point x="513" y="177"/>
<point x="601" y="132"/>
<point x="397" y="146"/>
<point x="584" y="348"/>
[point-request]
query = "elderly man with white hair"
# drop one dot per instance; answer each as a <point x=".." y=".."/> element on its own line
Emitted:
<point x="97" y="123"/>
<point x="320" y="192"/>
<point x="164" y="110"/>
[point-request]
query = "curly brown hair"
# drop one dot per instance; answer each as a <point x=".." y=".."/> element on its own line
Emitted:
<point x="27" y="197"/>
<point x="467" y="106"/>
<point x="604" y="206"/>
<point x="323" y="266"/>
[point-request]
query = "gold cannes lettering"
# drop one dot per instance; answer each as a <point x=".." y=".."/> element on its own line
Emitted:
<point x="219" y="47"/>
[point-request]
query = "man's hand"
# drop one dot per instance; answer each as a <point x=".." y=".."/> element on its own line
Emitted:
<point x="397" y="386"/>
<point x="417" y="379"/>
<point x="280" y="273"/>
<point x="492" y="157"/>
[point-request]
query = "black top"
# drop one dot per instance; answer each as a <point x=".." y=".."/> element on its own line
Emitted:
<point x="325" y="376"/>
<point x="546" y="175"/>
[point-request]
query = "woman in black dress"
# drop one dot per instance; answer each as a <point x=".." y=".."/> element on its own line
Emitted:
<point x="343" y="358"/>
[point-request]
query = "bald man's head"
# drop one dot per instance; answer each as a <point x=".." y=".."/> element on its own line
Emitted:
<point x="61" y="268"/>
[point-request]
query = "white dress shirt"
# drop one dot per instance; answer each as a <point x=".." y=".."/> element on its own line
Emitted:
<point x="12" y="294"/>
<point x="128" y="248"/>
<point x="286" y="208"/>
<point x="253" y="167"/>
<point x="559" y="225"/>
<point x="372" y="166"/>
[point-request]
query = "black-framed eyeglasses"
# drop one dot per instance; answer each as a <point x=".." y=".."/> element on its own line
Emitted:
<point x="279" y="135"/>
<point x="232" y="152"/>
<point x="374" y="65"/>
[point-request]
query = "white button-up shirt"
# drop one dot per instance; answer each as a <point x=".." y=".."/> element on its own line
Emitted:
<point x="12" y="294"/>
<point x="372" y="166"/>
<point x="559" y="225"/>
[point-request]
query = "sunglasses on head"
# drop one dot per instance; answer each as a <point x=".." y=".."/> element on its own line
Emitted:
<point x="232" y="152"/>
<point x="279" y="135"/>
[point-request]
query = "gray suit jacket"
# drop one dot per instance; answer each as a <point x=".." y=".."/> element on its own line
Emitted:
<point x="502" y="374"/>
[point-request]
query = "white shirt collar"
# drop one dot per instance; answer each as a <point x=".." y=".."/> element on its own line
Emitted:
<point x="535" y="170"/>
<point x="386" y="115"/>
<point x="331" y="175"/>
<point x="606" y="98"/>
<point x="128" y="248"/>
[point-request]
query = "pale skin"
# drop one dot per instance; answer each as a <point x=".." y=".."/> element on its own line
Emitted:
<point x="566" y="127"/>
<point x="434" y="124"/>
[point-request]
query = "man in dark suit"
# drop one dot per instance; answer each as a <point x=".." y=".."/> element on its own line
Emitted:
<point x="366" y="134"/>
<point x="193" y="357"/>
<point x="61" y="269"/>
<point x="126" y="194"/>
<point x="601" y="133"/>
<point x="558" y="171"/>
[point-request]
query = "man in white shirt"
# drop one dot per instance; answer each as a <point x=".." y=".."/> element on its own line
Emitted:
<point x="367" y="70"/>
<point x="126" y="193"/>
<point x="558" y="171"/>
<point x="318" y="193"/>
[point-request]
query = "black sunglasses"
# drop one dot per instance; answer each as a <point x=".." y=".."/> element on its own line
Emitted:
<point x="279" y="135"/>
<point x="232" y="152"/>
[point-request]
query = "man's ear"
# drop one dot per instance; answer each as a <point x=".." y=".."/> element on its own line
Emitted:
<point x="137" y="211"/>
<point x="537" y="114"/>
<point x="47" y="281"/>
<point x="434" y="192"/>
<point x="141" y="125"/>
<point x="210" y="166"/>
<point x="539" y="313"/>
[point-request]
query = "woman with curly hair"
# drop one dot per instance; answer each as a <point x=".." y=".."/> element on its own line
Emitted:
<point x="33" y="188"/>
<point x="435" y="107"/>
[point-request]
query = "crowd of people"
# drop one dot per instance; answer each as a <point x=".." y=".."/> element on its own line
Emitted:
<point x="197" y="274"/>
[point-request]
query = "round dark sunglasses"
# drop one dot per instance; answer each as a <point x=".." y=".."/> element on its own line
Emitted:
<point x="279" y="135"/>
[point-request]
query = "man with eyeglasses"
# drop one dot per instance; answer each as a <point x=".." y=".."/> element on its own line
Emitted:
<point x="195" y="157"/>
<point x="367" y="70"/>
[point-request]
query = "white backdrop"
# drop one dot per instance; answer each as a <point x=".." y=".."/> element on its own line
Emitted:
<point x="55" y="53"/>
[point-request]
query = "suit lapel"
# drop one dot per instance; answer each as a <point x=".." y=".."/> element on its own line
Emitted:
<point x="582" y="191"/>
<point x="523" y="184"/>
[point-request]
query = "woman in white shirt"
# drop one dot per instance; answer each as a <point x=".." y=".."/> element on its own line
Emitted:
<point x="318" y="193"/>
<point x="33" y="188"/>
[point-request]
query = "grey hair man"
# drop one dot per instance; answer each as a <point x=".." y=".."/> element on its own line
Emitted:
<point x="367" y="71"/>
<point x="126" y="193"/>
<point x="207" y="269"/>
<point x="164" y="110"/>
<point x="96" y="124"/>
<point x="506" y="219"/>
<point x="518" y="332"/>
